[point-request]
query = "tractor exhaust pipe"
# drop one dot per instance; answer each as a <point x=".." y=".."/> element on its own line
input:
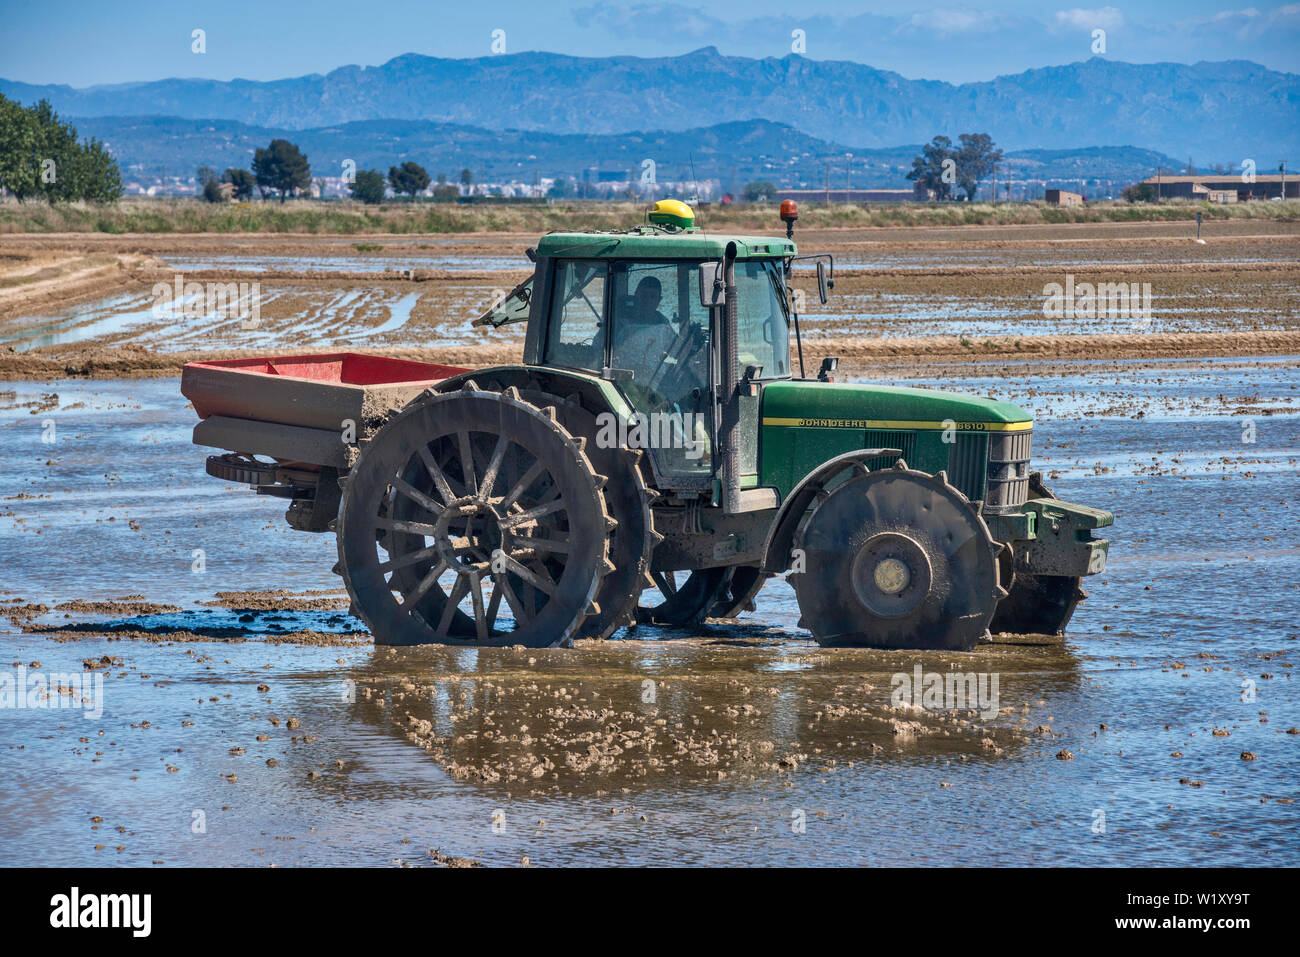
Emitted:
<point x="729" y="433"/>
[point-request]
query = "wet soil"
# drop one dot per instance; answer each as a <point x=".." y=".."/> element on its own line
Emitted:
<point x="248" y="720"/>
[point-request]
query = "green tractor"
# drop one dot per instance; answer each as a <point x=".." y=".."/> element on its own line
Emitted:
<point x="655" y="459"/>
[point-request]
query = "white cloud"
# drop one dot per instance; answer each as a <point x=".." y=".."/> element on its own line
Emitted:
<point x="650" y="19"/>
<point x="1108" y="18"/>
<point x="948" y="21"/>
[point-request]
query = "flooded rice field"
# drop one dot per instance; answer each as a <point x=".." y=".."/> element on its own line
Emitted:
<point x="343" y="264"/>
<point x="324" y="316"/>
<point x="412" y="292"/>
<point x="414" y="314"/>
<point x="235" y="714"/>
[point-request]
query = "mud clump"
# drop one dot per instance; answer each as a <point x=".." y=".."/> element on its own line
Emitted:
<point x="280" y="599"/>
<point x="131" y="607"/>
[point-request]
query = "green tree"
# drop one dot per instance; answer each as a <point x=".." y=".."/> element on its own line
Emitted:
<point x="466" y="178"/>
<point x="368" y="187"/>
<point x="975" y="159"/>
<point x="445" y="192"/>
<point x="282" y="167"/>
<point x="19" y="140"/>
<point x="40" y="156"/>
<point x="1140" y="193"/>
<point x="409" y="178"/>
<point x="100" y="175"/>
<point x="60" y="175"/>
<point x="242" y="180"/>
<point x="929" y="170"/>
<point x="760" y="191"/>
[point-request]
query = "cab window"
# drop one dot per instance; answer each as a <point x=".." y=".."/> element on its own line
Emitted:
<point x="661" y="336"/>
<point x="764" y="332"/>
<point x="575" y="334"/>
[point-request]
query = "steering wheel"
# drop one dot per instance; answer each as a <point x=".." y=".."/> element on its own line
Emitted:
<point x="676" y="362"/>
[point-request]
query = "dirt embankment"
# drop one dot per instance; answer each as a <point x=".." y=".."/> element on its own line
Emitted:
<point x="41" y="281"/>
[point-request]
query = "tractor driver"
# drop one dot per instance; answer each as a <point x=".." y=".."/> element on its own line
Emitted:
<point x="643" y="335"/>
<point x="669" y="367"/>
<point x="646" y="333"/>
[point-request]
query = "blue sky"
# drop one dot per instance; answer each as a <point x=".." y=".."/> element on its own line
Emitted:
<point x="85" y="43"/>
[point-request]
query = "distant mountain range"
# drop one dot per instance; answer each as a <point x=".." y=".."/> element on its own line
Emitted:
<point x="1212" y="112"/>
<point x="734" y="153"/>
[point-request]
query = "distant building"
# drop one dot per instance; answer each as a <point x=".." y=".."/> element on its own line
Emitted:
<point x="1062" y="197"/>
<point x="1215" y="195"/>
<point x="846" y="195"/>
<point x="1264" y="186"/>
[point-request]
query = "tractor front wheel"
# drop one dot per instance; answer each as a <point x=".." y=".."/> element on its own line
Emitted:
<point x="896" y="559"/>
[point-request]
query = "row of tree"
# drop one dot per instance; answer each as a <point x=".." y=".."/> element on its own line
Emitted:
<point x="410" y="179"/>
<point x="41" y="158"/>
<point x="282" y="168"/>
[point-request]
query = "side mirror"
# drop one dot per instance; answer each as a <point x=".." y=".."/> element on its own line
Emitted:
<point x="712" y="286"/>
<point x="830" y="365"/>
<point x="821" y="281"/>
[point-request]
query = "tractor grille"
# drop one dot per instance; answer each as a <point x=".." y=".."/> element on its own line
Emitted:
<point x="1008" y="471"/>
<point x="967" y="463"/>
<point x="885" y="439"/>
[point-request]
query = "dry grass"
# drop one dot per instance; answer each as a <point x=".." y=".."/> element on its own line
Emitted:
<point x="350" y="218"/>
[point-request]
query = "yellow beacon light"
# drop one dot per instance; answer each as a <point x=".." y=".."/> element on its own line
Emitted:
<point x="672" y="212"/>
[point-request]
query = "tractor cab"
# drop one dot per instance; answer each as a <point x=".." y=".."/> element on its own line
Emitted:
<point x="646" y="310"/>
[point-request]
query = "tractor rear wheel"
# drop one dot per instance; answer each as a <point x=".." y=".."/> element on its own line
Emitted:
<point x="743" y="585"/>
<point x="896" y="559"/>
<point x="466" y="489"/>
<point x="689" y="597"/>
<point x="1038" y="604"/>
<point x="628" y="499"/>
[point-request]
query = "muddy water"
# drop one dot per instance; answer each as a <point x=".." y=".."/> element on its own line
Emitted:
<point x="736" y="743"/>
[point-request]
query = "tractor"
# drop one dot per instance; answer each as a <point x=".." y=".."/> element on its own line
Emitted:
<point x="655" y="459"/>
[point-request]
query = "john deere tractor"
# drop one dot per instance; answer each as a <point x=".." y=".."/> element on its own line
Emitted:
<point x="656" y="458"/>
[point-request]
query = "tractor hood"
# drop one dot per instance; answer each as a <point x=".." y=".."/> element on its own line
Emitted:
<point x="841" y="405"/>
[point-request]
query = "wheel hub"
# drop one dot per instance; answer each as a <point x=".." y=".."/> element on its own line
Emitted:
<point x="891" y="574"/>
<point x="469" y="529"/>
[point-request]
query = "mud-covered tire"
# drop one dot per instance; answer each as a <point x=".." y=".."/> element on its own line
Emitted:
<point x="1038" y="604"/>
<point x="742" y="587"/>
<point x="688" y="597"/>
<point x="627" y="499"/>
<point x="462" y="488"/>
<point x="896" y="559"/>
